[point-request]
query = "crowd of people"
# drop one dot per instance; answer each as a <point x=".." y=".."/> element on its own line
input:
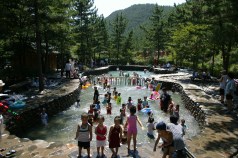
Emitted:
<point x="125" y="127"/>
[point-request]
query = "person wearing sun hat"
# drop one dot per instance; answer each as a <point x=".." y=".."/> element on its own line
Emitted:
<point x="167" y="137"/>
<point x="1" y="85"/>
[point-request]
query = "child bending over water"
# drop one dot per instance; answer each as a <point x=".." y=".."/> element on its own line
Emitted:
<point x="167" y="137"/>
<point x="84" y="134"/>
<point x="131" y="124"/>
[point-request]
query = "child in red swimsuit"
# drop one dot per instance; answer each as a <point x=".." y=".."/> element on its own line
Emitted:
<point x="101" y="132"/>
<point x="139" y="105"/>
<point x="115" y="135"/>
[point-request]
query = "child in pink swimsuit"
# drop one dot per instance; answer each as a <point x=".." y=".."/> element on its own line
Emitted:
<point x="131" y="124"/>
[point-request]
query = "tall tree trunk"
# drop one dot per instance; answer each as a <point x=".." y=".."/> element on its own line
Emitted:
<point x="62" y="59"/>
<point x="213" y="63"/>
<point x="46" y="64"/>
<point x="158" y="48"/>
<point x="118" y="53"/>
<point x="38" y="47"/>
<point x="226" y="57"/>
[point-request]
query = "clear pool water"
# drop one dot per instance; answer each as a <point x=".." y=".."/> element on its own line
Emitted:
<point x="62" y="127"/>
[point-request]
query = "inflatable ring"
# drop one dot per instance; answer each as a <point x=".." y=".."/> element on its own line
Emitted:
<point x="84" y="87"/>
<point x="146" y="110"/>
<point x="88" y="84"/>
<point x="18" y="105"/>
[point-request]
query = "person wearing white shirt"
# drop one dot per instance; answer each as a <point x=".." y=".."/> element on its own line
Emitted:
<point x="222" y="82"/>
<point x="1" y="124"/>
<point x="68" y="69"/>
<point x="230" y="92"/>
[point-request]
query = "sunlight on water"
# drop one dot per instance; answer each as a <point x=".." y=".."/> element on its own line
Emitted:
<point x="62" y="127"/>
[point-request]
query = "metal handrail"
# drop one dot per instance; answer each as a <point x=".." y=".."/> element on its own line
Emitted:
<point x="189" y="154"/>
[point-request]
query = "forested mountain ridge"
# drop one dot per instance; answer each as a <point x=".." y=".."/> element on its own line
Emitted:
<point x="137" y="15"/>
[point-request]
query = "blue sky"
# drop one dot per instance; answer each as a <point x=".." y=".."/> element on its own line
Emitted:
<point x="106" y="7"/>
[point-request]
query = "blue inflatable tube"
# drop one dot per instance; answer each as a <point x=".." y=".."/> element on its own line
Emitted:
<point x="17" y="105"/>
<point x="146" y="110"/>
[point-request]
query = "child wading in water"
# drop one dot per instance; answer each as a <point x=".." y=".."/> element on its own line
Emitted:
<point x="139" y="105"/>
<point x="101" y="132"/>
<point x="118" y="100"/>
<point x="184" y="126"/>
<point x="150" y="128"/>
<point x="114" y="137"/>
<point x="176" y="111"/>
<point x="131" y="125"/>
<point x="84" y="135"/>
<point x="104" y="102"/>
<point x="129" y="103"/>
<point x="109" y="108"/>
<point x="44" y="117"/>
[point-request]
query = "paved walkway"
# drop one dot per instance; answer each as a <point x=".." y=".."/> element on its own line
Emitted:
<point x="219" y="138"/>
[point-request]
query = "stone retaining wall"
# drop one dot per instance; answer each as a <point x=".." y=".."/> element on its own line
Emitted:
<point x="31" y="117"/>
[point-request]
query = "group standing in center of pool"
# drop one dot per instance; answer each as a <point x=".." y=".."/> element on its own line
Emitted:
<point x="123" y="133"/>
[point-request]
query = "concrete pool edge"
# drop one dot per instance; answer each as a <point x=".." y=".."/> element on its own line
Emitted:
<point x="58" y="100"/>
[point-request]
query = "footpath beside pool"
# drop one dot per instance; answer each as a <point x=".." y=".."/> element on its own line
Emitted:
<point x="219" y="136"/>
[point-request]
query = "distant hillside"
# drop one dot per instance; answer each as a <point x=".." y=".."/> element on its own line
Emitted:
<point x="136" y="16"/>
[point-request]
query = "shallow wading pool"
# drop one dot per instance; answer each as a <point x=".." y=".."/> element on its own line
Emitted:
<point x="62" y="127"/>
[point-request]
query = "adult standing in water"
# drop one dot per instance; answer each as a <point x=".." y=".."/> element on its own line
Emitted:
<point x="96" y="95"/>
<point x="164" y="100"/>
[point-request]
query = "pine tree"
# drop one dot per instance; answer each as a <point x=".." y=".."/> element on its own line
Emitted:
<point x="119" y="26"/>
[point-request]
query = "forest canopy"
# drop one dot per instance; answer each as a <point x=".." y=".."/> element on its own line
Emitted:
<point x="197" y="34"/>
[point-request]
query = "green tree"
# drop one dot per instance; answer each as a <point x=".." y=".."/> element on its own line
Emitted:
<point x="128" y="47"/>
<point x="155" y="34"/>
<point x="100" y="36"/>
<point x="84" y="14"/>
<point x="219" y="15"/>
<point x="118" y="25"/>
<point x="190" y="43"/>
